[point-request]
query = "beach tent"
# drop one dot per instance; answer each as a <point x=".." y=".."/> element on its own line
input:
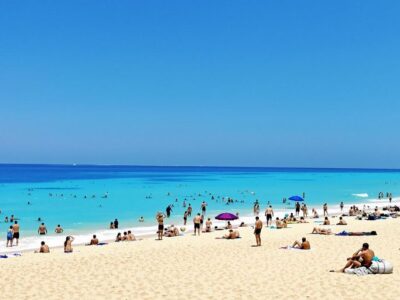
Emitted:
<point x="296" y="198"/>
<point x="226" y="217"/>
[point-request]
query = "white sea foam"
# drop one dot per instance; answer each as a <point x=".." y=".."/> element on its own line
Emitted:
<point x="362" y="195"/>
<point x="31" y="243"/>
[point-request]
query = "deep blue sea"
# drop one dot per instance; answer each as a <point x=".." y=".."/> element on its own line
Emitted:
<point x="73" y="196"/>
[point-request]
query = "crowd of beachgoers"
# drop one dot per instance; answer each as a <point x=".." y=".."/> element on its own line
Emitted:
<point x="363" y="259"/>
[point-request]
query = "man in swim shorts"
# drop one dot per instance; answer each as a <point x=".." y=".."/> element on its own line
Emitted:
<point x="15" y="229"/>
<point x="160" y="219"/>
<point x="269" y="213"/>
<point x="361" y="258"/>
<point x="197" y="221"/>
<point x="304" y="245"/>
<point x="257" y="231"/>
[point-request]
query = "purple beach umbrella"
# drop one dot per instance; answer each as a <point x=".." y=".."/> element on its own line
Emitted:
<point x="226" y="217"/>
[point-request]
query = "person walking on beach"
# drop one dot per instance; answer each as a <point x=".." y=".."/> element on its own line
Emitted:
<point x="257" y="231"/>
<point x="42" y="230"/>
<point x="197" y="221"/>
<point x="269" y="213"/>
<point x="297" y="208"/>
<point x="15" y="229"/>
<point x="160" y="219"/>
<point x="325" y="207"/>
<point x="341" y="206"/>
<point x="10" y="234"/>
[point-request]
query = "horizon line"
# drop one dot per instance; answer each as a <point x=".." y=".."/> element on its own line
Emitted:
<point x="192" y="166"/>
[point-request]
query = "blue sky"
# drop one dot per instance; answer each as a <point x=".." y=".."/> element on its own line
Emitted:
<point x="250" y="83"/>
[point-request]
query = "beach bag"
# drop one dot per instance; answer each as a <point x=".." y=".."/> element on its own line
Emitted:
<point x="381" y="267"/>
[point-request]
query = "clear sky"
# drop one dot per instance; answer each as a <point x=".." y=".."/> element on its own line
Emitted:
<point x="249" y="83"/>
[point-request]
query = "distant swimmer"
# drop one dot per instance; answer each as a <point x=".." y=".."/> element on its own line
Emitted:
<point x="29" y="203"/>
<point x="43" y="248"/>
<point x="116" y="223"/>
<point x="168" y="210"/>
<point x="39" y="219"/>
<point x="42" y="230"/>
<point x="141" y="219"/>
<point x="59" y="229"/>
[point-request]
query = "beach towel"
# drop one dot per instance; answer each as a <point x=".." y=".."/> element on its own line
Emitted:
<point x="293" y="248"/>
<point x="362" y="271"/>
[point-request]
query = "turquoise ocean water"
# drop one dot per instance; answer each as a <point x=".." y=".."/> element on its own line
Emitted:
<point x="73" y="196"/>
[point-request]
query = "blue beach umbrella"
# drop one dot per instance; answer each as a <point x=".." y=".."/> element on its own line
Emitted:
<point x="296" y="198"/>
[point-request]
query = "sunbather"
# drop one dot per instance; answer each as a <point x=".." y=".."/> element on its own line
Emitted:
<point x="341" y="221"/>
<point x="323" y="231"/>
<point x="304" y="245"/>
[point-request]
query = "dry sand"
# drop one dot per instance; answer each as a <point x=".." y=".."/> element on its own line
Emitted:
<point x="206" y="268"/>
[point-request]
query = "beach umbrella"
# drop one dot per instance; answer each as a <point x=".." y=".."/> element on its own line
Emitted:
<point x="226" y="217"/>
<point x="296" y="198"/>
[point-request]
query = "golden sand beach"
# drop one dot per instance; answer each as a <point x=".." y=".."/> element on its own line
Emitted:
<point x="192" y="267"/>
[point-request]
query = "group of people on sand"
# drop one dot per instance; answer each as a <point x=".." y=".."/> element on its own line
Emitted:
<point x="44" y="248"/>
<point x="127" y="236"/>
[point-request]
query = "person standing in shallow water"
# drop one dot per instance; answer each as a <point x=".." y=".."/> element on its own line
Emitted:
<point x="257" y="231"/>
<point x="341" y="206"/>
<point x="325" y="208"/>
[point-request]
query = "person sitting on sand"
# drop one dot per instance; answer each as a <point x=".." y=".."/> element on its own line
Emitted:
<point x="341" y="221"/>
<point x="323" y="231"/>
<point x="118" y="238"/>
<point x="302" y="220"/>
<point x="131" y="236"/>
<point x="68" y="244"/>
<point x="228" y="225"/>
<point x="58" y="229"/>
<point x="377" y="212"/>
<point x="326" y="221"/>
<point x="43" y="248"/>
<point x="243" y="224"/>
<point x="171" y="231"/>
<point x="285" y="222"/>
<point x="231" y="235"/>
<point x="361" y="258"/>
<point x="278" y="223"/>
<point x="315" y="214"/>
<point x="304" y="245"/>
<point x="125" y="236"/>
<point x="94" y="241"/>
<point x="208" y="225"/>
<point x="351" y="212"/>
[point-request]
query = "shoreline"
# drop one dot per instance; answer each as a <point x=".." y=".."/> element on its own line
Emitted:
<point x="32" y="242"/>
